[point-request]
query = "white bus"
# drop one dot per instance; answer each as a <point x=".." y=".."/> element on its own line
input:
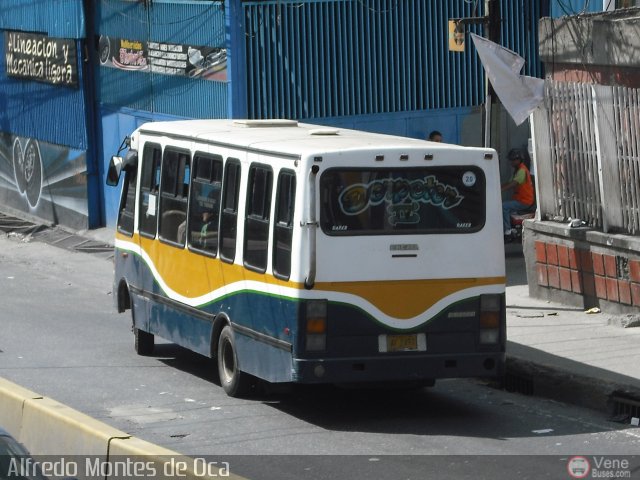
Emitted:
<point x="299" y="253"/>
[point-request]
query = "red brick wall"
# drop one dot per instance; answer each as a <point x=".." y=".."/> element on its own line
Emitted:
<point x="596" y="74"/>
<point x="588" y="273"/>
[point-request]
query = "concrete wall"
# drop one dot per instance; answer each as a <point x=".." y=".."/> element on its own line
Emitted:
<point x="597" y="48"/>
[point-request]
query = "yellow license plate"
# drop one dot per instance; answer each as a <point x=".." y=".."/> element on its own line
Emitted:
<point x="402" y="343"/>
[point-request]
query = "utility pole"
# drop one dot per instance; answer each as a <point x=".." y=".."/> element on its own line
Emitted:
<point x="492" y="33"/>
<point x="491" y="22"/>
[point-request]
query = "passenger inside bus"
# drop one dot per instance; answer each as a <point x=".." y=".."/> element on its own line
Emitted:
<point x="203" y="226"/>
<point x="208" y="237"/>
<point x="203" y="231"/>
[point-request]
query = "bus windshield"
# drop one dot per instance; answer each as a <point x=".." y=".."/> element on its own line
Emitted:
<point x="384" y="201"/>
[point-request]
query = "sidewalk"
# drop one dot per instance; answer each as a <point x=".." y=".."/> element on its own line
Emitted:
<point x="554" y="350"/>
<point x="566" y="354"/>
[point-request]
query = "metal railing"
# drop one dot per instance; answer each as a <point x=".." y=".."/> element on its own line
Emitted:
<point x="587" y="148"/>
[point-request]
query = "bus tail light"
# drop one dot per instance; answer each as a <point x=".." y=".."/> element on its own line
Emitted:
<point x="316" y="325"/>
<point x="490" y="310"/>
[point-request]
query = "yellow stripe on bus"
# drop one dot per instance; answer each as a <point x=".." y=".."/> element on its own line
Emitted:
<point x="408" y="298"/>
<point x="192" y="276"/>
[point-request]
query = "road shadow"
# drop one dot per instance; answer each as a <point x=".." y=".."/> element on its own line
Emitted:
<point x="516" y="271"/>
<point x="187" y="361"/>
<point x="456" y="407"/>
<point x="513" y="249"/>
<point x="567" y="380"/>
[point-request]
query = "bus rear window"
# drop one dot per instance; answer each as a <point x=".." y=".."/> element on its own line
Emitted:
<point x="387" y="201"/>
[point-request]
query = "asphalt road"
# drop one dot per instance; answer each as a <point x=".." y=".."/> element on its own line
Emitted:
<point x="61" y="336"/>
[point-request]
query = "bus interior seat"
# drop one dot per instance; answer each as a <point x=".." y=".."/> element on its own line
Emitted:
<point x="170" y="222"/>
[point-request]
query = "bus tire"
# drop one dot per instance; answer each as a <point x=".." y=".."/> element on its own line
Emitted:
<point x="144" y="342"/>
<point x="234" y="382"/>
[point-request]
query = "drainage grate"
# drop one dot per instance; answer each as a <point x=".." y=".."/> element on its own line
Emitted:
<point x="69" y="241"/>
<point x="55" y="236"/>
<point x="518" y="383"/>
<point x="625" y="406"/>
<point x="10" y="224"/>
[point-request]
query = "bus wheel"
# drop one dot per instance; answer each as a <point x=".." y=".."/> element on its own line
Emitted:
<point x="234" y="382"/>
<point x="144" y="342"/>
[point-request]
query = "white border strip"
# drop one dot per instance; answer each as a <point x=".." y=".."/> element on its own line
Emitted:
<point x="295" y="293"/>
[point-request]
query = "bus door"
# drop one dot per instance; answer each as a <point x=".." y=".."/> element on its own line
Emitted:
<point x="141" y="279"/>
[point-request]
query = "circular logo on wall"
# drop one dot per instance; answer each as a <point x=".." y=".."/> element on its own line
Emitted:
<point x="27" y="169"/>
<point x="18" y="166"/>
<point x="578" y="467"/>
<point x="104" y="49"/>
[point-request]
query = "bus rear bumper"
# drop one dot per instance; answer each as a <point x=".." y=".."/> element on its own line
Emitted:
<point x="403" y="368"/>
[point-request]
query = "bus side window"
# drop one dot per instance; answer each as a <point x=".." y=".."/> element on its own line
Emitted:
<point x="229" y="217"/>
<point x="174" y="195"/>
<point x="256" y="232"/>
<point x="283" y="228"/>
<point x="128" y="204"/>
<point x="204" y="208"/>
<point x="148" y="218"/>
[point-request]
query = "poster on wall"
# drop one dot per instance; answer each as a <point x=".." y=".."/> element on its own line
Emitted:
<point x="208" y="63"/>
<point x="30" y="56"/>
<point x="45" y="180"/>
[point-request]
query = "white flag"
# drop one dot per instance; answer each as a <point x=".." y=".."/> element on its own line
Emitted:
<point x="519" y="94"/>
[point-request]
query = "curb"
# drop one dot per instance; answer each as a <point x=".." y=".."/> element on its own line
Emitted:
<point x="540" y="380"/>
<point x="12" y="399"/>
<point x="47" y="427"/>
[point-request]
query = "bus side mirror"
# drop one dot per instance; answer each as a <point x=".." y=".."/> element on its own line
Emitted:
<point x="115" y="167"/>
<point x="117" y="164"/>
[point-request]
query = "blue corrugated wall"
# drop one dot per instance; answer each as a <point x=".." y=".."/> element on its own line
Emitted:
<point x="186" y="22"/>
<point x="54" y="117"/>
<point x="380" y="65"/>
<point x="561" y="8"/>
<point x="58" y="18"/>
<point x="31" y="109"/>
<point x="519" y="31"/>
<point x="334" y="58"/>
<point x="127" y="99"/>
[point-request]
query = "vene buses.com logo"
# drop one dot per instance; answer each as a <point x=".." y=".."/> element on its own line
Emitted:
<point x="578" y="467"/>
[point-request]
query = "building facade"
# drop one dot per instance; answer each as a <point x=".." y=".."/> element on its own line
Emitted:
<point x="377" y="65"/>
<point x="584" y="248"/>
<point x="48" y="165"/>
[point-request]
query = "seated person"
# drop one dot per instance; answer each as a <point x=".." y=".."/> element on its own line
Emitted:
<point x="208" y="237"/>
<point x="523" y="193"/>
<point x="203" y="235"/>
<point x="435" y="136"/>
